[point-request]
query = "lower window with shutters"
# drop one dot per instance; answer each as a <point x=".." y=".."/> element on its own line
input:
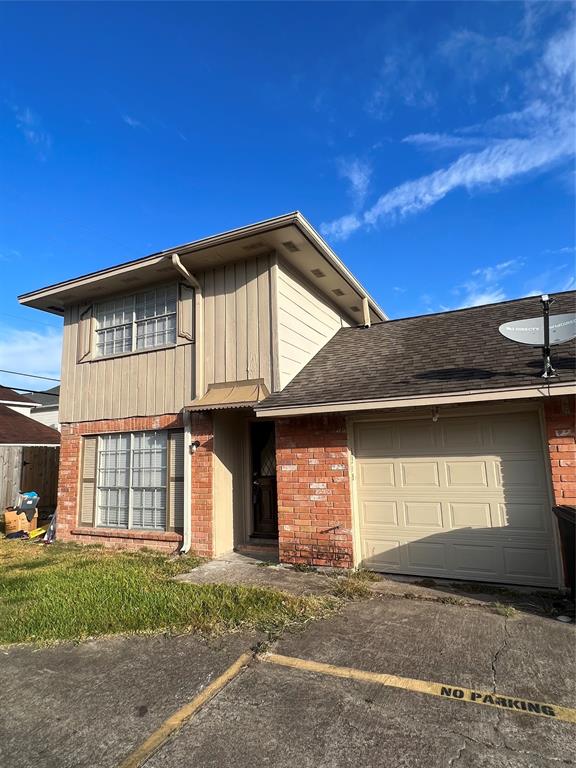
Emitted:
<point x="133" y="480"/>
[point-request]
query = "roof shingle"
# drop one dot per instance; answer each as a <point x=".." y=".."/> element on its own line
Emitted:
<point x="17" y="429"/>
<point x="453" y="351"/>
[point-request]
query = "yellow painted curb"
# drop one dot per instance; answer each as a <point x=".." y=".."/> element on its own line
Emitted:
<point x="454" y="693"/>
<point x="176" y="720"/>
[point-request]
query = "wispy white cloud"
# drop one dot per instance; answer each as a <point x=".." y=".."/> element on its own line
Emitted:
<point x="566" y="250"/>
<point x="401" y="79"/>
<point x="357" y="173"/>
<point x="444" y="141"/>
<point x="132" y="122"/>
<point x="498" y="271"/>
<point x="526" y="141"/>
<point x="40" y="351"/>
<point x="30" y="126"/>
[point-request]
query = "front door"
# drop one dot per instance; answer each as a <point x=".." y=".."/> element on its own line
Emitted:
<point x="265" y="510"/>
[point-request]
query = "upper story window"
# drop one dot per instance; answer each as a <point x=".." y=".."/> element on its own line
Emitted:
<point x="131" y="323"/>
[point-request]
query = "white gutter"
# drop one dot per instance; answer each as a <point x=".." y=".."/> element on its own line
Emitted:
<point x="469" y="396"/>
<point x="187" y="522"/>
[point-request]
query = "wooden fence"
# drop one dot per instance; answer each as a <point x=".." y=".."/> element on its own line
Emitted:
<point x="33" y="468"/>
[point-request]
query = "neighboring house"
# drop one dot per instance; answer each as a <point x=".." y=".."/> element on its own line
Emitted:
<point x="46" y="412"/>
<point x="29" y="453"/>
<point x="244" y="390"/>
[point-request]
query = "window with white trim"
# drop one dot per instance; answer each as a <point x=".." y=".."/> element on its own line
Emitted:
<point x="132" y="323"/>
<point x="132" y="480"/>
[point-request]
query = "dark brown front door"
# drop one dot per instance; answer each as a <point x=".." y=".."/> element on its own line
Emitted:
<point x="265" y="510"/>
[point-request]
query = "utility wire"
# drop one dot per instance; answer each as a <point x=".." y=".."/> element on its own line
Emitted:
<point x="29" y="375"/>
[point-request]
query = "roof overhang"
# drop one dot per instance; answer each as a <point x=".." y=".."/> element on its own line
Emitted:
<point x="291" y="236"/>
<point x="448" y="398"/>
<point x="236" y="394"/>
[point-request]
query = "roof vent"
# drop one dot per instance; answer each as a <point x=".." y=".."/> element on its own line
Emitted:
<point x="317" y="273"/>
<point x="355" y="308"/>
<point x="337" y="291"/>
<point x="290" y="246"/>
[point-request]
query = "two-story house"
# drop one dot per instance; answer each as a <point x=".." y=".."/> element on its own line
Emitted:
<point x="245" y="390"/>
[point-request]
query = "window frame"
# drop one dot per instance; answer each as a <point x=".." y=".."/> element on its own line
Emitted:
<point x="130" y="488"/>
<point x="133" y="325"/>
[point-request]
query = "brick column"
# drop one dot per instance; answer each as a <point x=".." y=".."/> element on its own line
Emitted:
<point x="561" y="435"/>
<point x="202" y="489"/>
<point x="314" y="506"/>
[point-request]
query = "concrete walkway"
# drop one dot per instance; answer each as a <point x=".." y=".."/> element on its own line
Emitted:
<point x="236" y="568"/>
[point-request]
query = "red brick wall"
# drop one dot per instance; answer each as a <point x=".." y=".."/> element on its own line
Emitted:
<point x="561" y="433"/>
<point x="314" y="507"/>
<point x="68" y="528"/>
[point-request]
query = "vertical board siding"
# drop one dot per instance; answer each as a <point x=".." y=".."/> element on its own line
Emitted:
<point x="237" y="322"/>
<point x="306" y="322"/>
<point x="237" y="346"/>
<point x="142" y="384"/>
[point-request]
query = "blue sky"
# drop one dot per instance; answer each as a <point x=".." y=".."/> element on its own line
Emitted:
<point x="431" y="143"/>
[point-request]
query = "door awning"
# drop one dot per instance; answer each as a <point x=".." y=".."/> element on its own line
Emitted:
<point x="231" y="394"/>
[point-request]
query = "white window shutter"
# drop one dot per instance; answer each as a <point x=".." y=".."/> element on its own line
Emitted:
<point x="84" y="333"/>
<point x="186" y="312"/>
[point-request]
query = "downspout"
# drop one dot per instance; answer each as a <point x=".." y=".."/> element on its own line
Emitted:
<point x="189" y="445"/>
<point x="187" y="522"/>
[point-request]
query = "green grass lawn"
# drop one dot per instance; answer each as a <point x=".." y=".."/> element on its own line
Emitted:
<point x="68" y="592"/>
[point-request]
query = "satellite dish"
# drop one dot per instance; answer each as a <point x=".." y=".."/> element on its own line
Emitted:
<point x="531" y="331"/>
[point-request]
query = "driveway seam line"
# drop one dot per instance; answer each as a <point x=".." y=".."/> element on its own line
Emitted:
<point x="177" y="719"/>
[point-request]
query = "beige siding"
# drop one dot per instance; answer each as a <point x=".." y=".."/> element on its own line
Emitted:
<point x="237" y="345"/>
<point x="142" y="384"/>
<point x="230" y="474"/>
<point x="306" y="321"/>
<point x="237" y="340"/>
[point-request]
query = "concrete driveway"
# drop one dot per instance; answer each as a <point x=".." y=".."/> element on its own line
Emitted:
<point x="94" y="704"/>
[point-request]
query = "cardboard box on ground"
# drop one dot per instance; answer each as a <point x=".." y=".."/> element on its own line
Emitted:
<point x="14" y="522"/>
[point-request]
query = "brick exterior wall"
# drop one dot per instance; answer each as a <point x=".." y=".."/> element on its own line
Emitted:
<point x="561" y="434"/>
<point x="314" y="505"/>
<point x="68" y="528"/>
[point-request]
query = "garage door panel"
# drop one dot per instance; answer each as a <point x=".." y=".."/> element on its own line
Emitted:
<point x="379" y="513"/>
<point x="462" y="435"/>
<point x="464" y="498"/>
<point x="423" y="514"/>
<point x="471" y="474"/>
<point x="524" y="516"/>
<point x="521" y="473"/>
<point x="426" y="555"/>
<point x="376" y="475"/>
<point x="510" y="432"/>
<point x="527" y="562"/>
<point x="373" y="439"/>
<point x="381" y="553"/>
<point x="416" y="437"/>
<point x="421" y="474"/>
<point x="484" y="561"/>
<point x="466" y="514"/>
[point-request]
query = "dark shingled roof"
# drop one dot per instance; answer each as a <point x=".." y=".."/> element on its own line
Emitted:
<point x="17" y="429"/>
<point x="8" y="395"/>
<point x="428" y="355"/>
<point x="48" y="397"/>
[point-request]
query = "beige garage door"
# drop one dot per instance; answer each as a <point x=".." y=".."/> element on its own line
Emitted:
<point x="462" y="498"/>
